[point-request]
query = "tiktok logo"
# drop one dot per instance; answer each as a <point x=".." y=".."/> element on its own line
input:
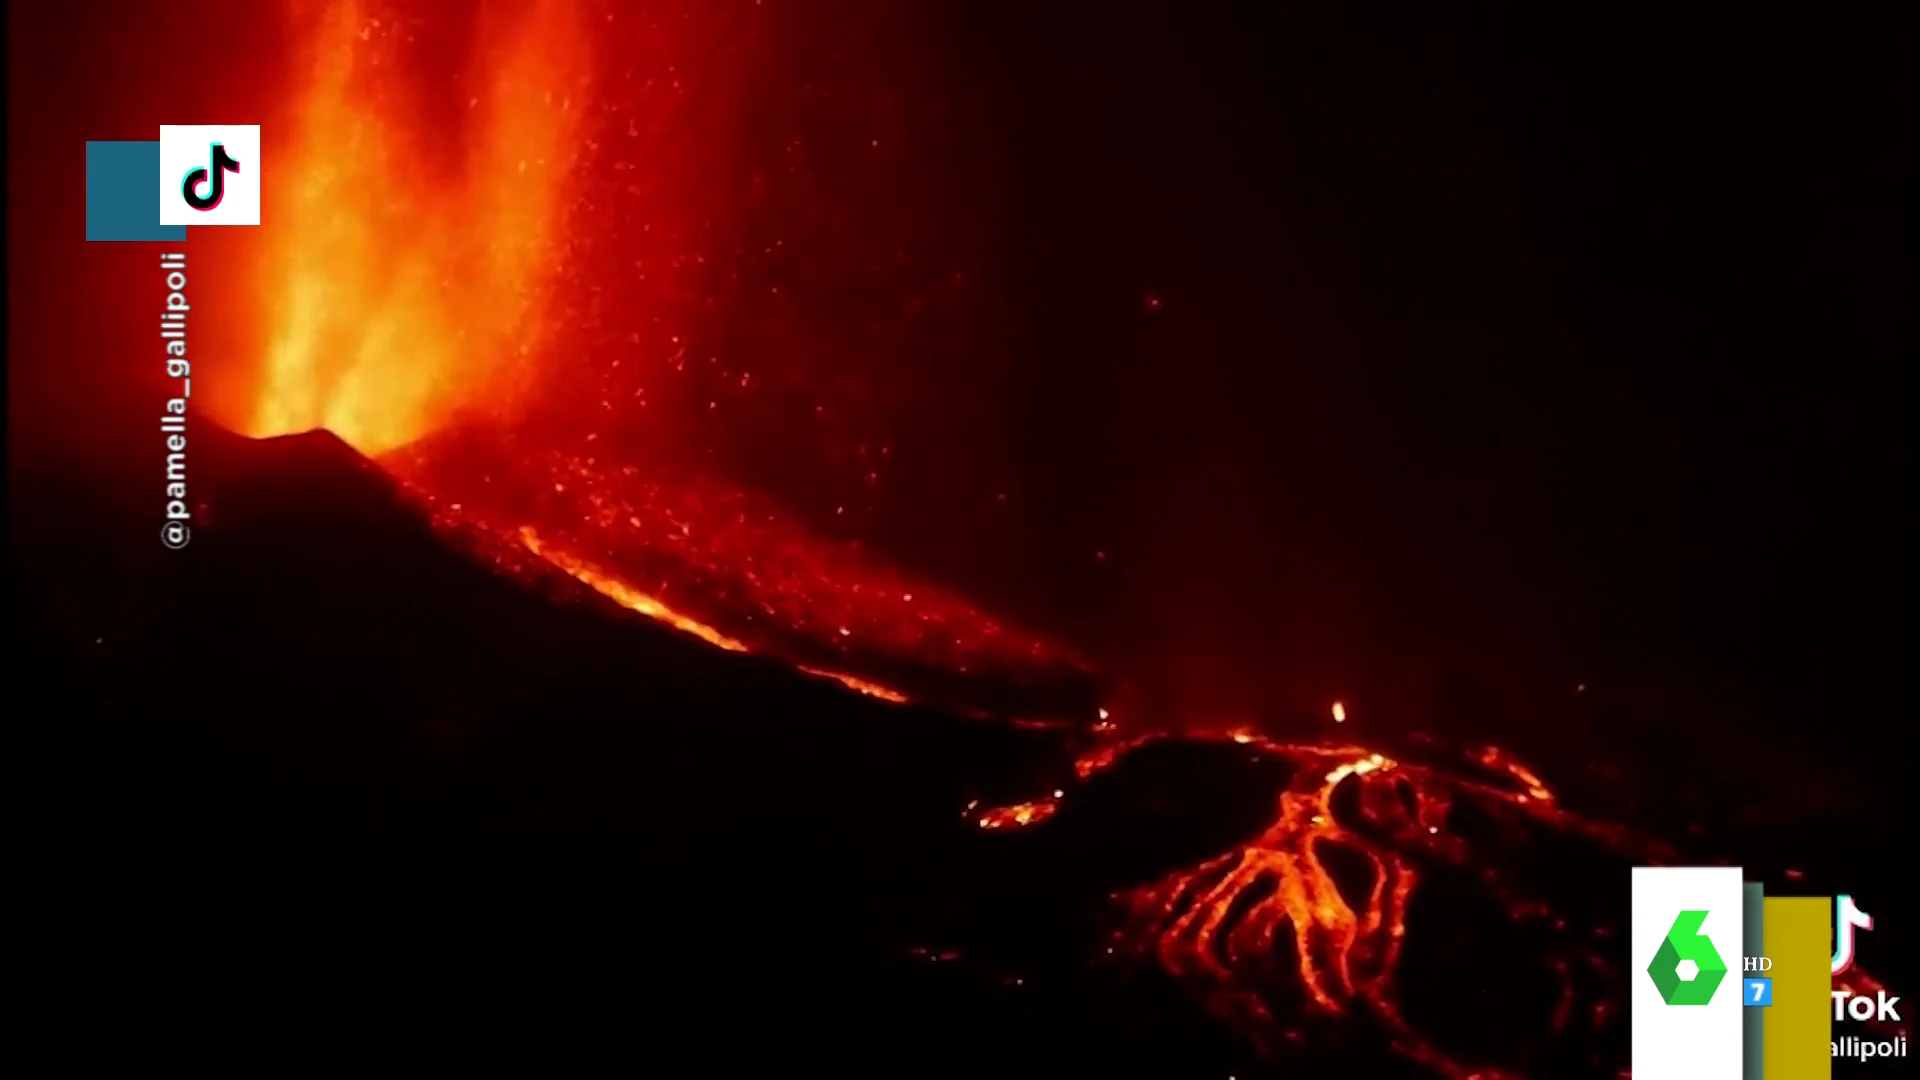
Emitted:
<point x="215" y="177"/>
<point x="1846" y="917"/>
<point x="209" y="174"/>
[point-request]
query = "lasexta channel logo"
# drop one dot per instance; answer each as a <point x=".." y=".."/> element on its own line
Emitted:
<point x="1687" y="969"/>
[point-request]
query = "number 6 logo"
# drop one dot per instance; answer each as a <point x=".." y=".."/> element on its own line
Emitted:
<point x="1685" y="942"/>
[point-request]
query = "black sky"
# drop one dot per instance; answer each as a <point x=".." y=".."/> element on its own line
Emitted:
<point x="1496" y="337"/>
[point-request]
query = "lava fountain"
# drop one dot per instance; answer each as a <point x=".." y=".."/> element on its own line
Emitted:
<point x="406" y="291"/>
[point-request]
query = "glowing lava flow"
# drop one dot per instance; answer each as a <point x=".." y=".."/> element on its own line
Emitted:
<point x="1218" y="926"/>
<point x="620" y="592"/>
<point x="1245" y="928"/>
<point x="625" y="595"/>
<point x="1342" y="954"/>
<point x="740" y="574"/>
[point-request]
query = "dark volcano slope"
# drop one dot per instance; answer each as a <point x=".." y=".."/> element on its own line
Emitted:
<point x="324" y="786"/>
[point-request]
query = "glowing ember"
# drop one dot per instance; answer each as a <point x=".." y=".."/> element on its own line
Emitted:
<point x="1019" y="815"/>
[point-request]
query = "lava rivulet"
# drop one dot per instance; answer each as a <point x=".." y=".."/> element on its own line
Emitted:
<point x="741" y="574"/>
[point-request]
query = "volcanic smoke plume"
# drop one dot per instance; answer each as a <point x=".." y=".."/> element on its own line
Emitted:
<point x="520" y="260"/>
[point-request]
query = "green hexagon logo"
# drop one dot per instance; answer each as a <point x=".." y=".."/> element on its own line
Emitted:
<point x="1685" y="942"/>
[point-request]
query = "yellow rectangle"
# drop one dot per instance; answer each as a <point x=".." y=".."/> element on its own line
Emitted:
<point x="1799" y="1024"/>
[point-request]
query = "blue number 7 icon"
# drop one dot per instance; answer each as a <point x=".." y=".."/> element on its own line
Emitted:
<point x="1758" y="992"/>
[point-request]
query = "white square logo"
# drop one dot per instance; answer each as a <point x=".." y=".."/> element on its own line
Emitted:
<point x="210" y="174"/>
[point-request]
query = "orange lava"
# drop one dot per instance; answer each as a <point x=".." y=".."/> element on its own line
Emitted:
<point x="610" y="586"/>
<point x="741" y="574"/>
<point x="1020" y="815"/>
<point x="403" y="290"/>
<point x="861" y="686"/>
<point x="1214" y="926"/>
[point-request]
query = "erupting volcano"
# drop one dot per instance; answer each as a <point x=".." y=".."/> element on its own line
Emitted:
<point x="504" y="270"/>
<point x="425" y="308"/>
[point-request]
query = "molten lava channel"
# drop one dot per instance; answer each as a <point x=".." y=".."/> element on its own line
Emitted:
<point x="740" y="574"/>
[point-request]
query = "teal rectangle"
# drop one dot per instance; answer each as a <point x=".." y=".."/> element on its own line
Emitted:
<point x="123" y="193"/>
